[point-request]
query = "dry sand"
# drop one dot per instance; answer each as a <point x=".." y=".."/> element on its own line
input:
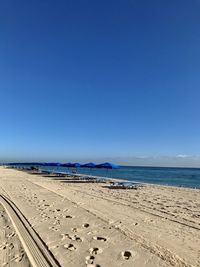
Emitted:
<point x="11" y="250"/>
<point x="92" y="225"/>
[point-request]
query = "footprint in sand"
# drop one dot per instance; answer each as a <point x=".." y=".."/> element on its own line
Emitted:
<point x="19" y="257"/>
<point x="95" y="251"/>
<point x="11" y="246"/>
<point x="75" y="238"/>
<point x="57" y="210"/>
<point x="64" y="236"/>
<point x="3" y="246"/>
<point x="89" y="259"/>
<point x="72" y="237"/>
<point x="40" y="209"/>
<point x="53" y="228"/>
<point x="6" y="227"/>
<point x="56" y="222"/>
<point x="86" y="225"/>
<point x="67" y="216"/>
<point x="99" y="238"/>
<point x="11" y="235"/>
<point x="126" y="255"/>
<point x="70" y="247"/>
<point x="92" y="232"/>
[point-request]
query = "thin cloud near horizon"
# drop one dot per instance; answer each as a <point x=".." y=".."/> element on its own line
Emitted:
<point x="183" y="156"/>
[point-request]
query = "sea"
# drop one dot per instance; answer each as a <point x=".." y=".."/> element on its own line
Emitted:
<point x="181" y="177"/>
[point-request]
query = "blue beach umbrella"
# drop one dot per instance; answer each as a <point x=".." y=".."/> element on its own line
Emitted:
<point x="107" y="165"/>
<point x="89" y="165"/>
<point x="71" y="165"/>
<point x="66" y="164"/>
<point x="13" y="164"/>
<point x="51" y="164"/>
<point x="76" y="165"/>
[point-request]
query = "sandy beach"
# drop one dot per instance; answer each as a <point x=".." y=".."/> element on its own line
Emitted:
<point x="89" y="224"/>
<point x="11" y="250"/>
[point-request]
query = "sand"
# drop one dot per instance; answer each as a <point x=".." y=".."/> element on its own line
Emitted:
<point x="89" y="224"/>
<point x="11" y="250"/>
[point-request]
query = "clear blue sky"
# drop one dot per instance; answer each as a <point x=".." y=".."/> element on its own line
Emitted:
<point x="116" y="80"/>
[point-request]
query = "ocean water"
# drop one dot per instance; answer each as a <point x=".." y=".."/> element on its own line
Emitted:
<point x="185" y="177"/>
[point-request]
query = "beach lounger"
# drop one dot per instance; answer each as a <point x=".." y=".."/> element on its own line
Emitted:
<point x="125" y="185"/>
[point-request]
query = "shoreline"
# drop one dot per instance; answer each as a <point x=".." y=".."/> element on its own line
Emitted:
<point x="187" y="179"/>
<point x="122" y="180"/>
<point x="154" y="225"/>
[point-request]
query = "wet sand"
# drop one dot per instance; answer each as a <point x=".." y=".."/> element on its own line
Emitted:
<point x="89" y="224"/>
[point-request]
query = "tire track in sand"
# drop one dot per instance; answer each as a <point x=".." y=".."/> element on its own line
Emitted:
<point x="37" y="252"/>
